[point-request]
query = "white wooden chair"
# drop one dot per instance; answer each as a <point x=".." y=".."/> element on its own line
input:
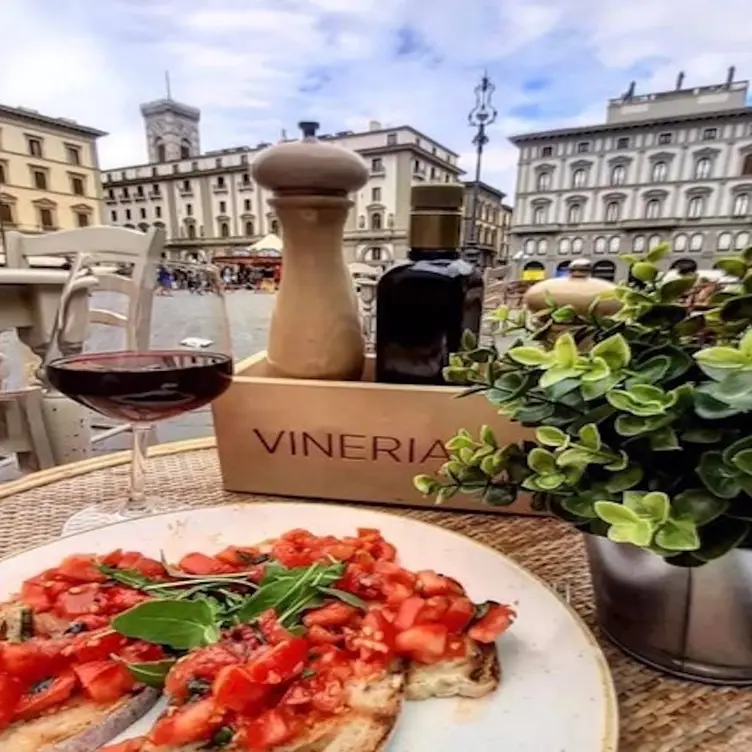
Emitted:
<point x="107" y="246"/>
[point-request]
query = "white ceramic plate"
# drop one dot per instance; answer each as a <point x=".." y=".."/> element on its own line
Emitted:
<point x="556" y="693"/>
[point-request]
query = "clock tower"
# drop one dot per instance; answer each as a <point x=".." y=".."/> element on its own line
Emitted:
<point x="171" y="130"/>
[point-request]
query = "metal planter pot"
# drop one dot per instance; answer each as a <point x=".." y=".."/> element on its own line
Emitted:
<point x="693" y="623"/>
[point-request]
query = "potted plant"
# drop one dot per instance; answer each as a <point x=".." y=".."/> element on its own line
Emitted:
<point x="643" y="441"/>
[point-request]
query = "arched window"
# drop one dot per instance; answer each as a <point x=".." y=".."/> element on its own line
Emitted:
<point x="653" y="209"/>
<point x="638" y="243"/>
<point x="618" y="175"/>
<point x="614" y="243"/>
<point x="742" y="241"/>
<point x="275" y="226"/>
<point x="544" y="181"/>
<point x="185" y="149"/>
<point x="695" y="242"/>
<point x="660" y="171"/>
<point x="578" y="178"/>
<point x="702" y="169"/>
<point x="529" y="247"/>
<point x="574" y="215"/>
<point x="161" y="151"/>
<point x="747" y="165"/>
<point x="224" y="229"/>
<point x="600" y="245"/>
<point x="539" y="215"/>
<point x="192" y="231"/>
<point x="724" y="241"/>
<point x="564" y="246"/>
<point x="376" y="221"/>
<point x="613" y="210"/>
<point x="542" y="247"/>
<point x="741" y="205"/>
<point x="655" y="240"/>
<point x="695" y="207"/>
<point x="249" y="228"/>
<point x="680" y="243"/>
<point x="577" y="245"/>
<point x="143" y="226"/>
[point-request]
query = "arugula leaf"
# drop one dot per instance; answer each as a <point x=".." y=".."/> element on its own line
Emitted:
<point x="181" y="624"/>
<point x="345" y="597"/>
<point x="151" y="673"/>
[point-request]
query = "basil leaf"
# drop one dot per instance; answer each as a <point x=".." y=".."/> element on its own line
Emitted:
<point x="128" y="577"/>
<point x="222" y="738"/>
<point x="183" y="625"/>
<point x="345" y="597"/>
<point x="151" y="673"/>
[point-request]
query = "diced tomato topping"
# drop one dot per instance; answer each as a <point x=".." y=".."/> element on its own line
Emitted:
<point x="80" y="568"/>
<point x="434" y="609"/>
<point x="328" y="694"/>
<point x="279" y="663"/>
<point x="48" y="694"/>
<point x="376" y="638"/>
<point x="425" y="643"/>
<point x="271" y="629"/>
<point x="141" y="652"/>
<point x="36" y="596"/>
<point x="459" y="614"/>
<point x="118" y="599"/>
<point x="318" y="635"/>
<point x="335" y="614"/>
<point x="10" y="695"/>
<point x="137" y="562"/>
<point x="396" y="592"/>
<point x="95" y="646"/>
<point x="104" y="681"/>
<point x="291" y="555"/>
<point x="265" y="732"/>
<point x="79" y="600"/>
<point x="430" y="583"/>
<point x="332" y="548"/>
<point x="234" y="689"/>
<point x="197" y="563"/>
<point x="201" y="664"/>
<point x="496" y="620"/>
<point x="32" y="661"/>
<point x="407" y="613"/>
<point x="132" y="745"/>
<point x="195" y="722"/>
<point x="239" y="557"/>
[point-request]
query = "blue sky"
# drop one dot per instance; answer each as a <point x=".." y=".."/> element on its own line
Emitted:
<point x="256" y="67"/>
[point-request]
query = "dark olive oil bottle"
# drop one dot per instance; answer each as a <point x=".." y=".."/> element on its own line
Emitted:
<point x="423" y="306"/>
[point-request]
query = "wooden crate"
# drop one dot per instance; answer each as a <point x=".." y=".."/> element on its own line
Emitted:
<point x="341" y="440"/>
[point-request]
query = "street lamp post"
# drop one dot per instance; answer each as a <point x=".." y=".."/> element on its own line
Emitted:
<point x="480" y="117"/>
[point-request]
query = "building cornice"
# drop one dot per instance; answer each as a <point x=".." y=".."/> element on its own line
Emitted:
<point x="31" y="118"/>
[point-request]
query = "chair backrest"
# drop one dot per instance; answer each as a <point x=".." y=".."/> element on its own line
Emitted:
<point x="105" y="245"/>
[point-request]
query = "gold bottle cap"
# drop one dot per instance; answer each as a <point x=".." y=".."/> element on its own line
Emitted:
<point x="444" y="196"/>
<point x="310" y="167"/>
<point x="436" y="217"/>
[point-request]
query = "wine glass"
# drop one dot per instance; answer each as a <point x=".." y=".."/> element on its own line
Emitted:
<point x="174" y="356"/>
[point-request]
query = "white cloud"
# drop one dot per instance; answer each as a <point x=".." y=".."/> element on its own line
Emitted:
<point x="257" y="66"/>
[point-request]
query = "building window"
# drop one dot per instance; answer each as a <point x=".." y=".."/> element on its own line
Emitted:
<point x="574" y="214"/>
<point x="665" y="138"/>
<point x="579" y="177"/>
<point x="680" y="243"/>
<point x="189" y="210"/>
<point x="6" y="213"/>
<point x="747" y="165"/>
<point x="142" y="213"/>
<point x="376" y="221"/>
<point x="126" y="193"/>
<point x="742" y="241"/>
<point x="186" y="186"/>
<point x="3" y="179"/>
<point x="539" y="215"/>
<point x="46" y="219"/>
<point x="529" y="247"/>
<point x="185" y="150"/>
<point x="275" y="227"/>
<point x="247" y="205"/>
<point x="377" y="165"/>
<point x="82" y="219"/>
<point x="564" y="246"/>
<point x="224" y="229"/>
<point x="194" y="165"/>
<point x="544" y="181"/>
<point x="710" y="134"/>
<point x="655" y="240"/>
<point x="127" y="213"/>
<point x="375" y="195"/>
<point x="695" y="207"/>
<point x="220" y="181"/>
<point x="638" y="243"/>
<point x="583" y="147"/>
<point x="577" y="245"/>
<point x="175" y="168"/>
<point x="660" y="172"/>
<point x="155" y="189"/>
<point x="218" y="163"/>
<point x="73" y="155"/>
<point x="614" y="243"/>
<point x="161" y="151"/>
<point x="246" y="178"/>
<point x="653" y="209"/>
<point x="542" y="247"/>
<point x="140" y="191"/>
<point x="547" y="151"/>
<point x="113" y="216"/>
<point x="618" y="175"/>
<point x="35" y="147"/>
<point x="695" y="242"/>
<point x="622" y="143"/>
<point x="249" y="228"/>
<point x="741" y="205"/>
<point x="724" y="241"/>
<point x="191" y="228"/>
<point x="111" y="194"/>
<point x="40" y="179"/>
<point x="77" y="186"/>
<point x="433" y="173"/>
<point x="223" y="207"/>
<point x="613" y="211"/>
<point x="702" y="169"/>
<point x="157" y="211"/>
<point x="391" y="139"/>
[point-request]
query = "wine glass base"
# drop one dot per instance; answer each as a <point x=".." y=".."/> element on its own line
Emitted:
<point x="100" y="515"/>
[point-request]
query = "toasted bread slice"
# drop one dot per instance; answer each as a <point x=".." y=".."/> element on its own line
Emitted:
<point x="78" y="726"/>
<point x="476" y="674"/>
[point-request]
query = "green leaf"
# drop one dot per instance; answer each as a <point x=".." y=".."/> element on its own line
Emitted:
<point x="500" y="496"/>
<point x="425" y="484"/>
<point x="615" y="514"/>
<point x="745" y="345"/>
<point x="638" y="533"/>
<point x="550" y="481"/>
<point x="737" y="308"/>
<point x="651" y="370"/>
<point x="625" y="479"/>
<point x="541" y="461"/>
<point x="550" y="436"/>
<point x="698" y="505"/>
<point x="721" y="357"/>
<point x="593" y="390"/>
<point x="345" y="597"/>
<point x="180" y="624"/>
<point x="621" y="462"/>
<point x="581" y="506"/>
<point x="528" y="355"/>
<point x="659" y="252"/>
<point x="565" y="351"/>
<point x="743" y="460"/>
<point x="678" y="535"/>
<point x="653" y="506"/>
<point x="735" y="388"/>
<point x="614" y="350"/>
<point x="702" y="435"/>
<point x="676" y="288"/>
<point x="151" y="673"/>
<point x="718" y="477"/>
<point x="469" y="341"/>
<point x="555" y="374"/>
<point x="662" y="315"/>
<point x="574" y="457"/>
<point x="738" y="446"/>
<point x="644" y="271"/>
<point x="710" y="408"/>
<point x="664" y="440"/>
<point x="597" y="370"/>
<point x="564" y="315"/>
<point x="590" y="436"/>
<point x="732" y="265"/>
<point x="488" y="437"/>
<point x="631" y="425"/>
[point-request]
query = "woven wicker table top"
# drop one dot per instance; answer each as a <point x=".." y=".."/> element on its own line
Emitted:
<point x="658" y="714"/>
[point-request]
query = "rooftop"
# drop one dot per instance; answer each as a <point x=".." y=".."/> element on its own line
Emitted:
<point x="28" y="115"/>
<point x="469" y="184"/>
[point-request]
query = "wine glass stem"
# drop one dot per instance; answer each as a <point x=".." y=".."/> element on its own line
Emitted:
<point x="137" y="497"/>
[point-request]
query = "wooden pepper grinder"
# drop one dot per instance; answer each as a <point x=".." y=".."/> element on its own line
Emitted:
<point x="315" y="330"/>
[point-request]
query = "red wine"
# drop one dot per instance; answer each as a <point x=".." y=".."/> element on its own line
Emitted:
<point x="142" y="386"/>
